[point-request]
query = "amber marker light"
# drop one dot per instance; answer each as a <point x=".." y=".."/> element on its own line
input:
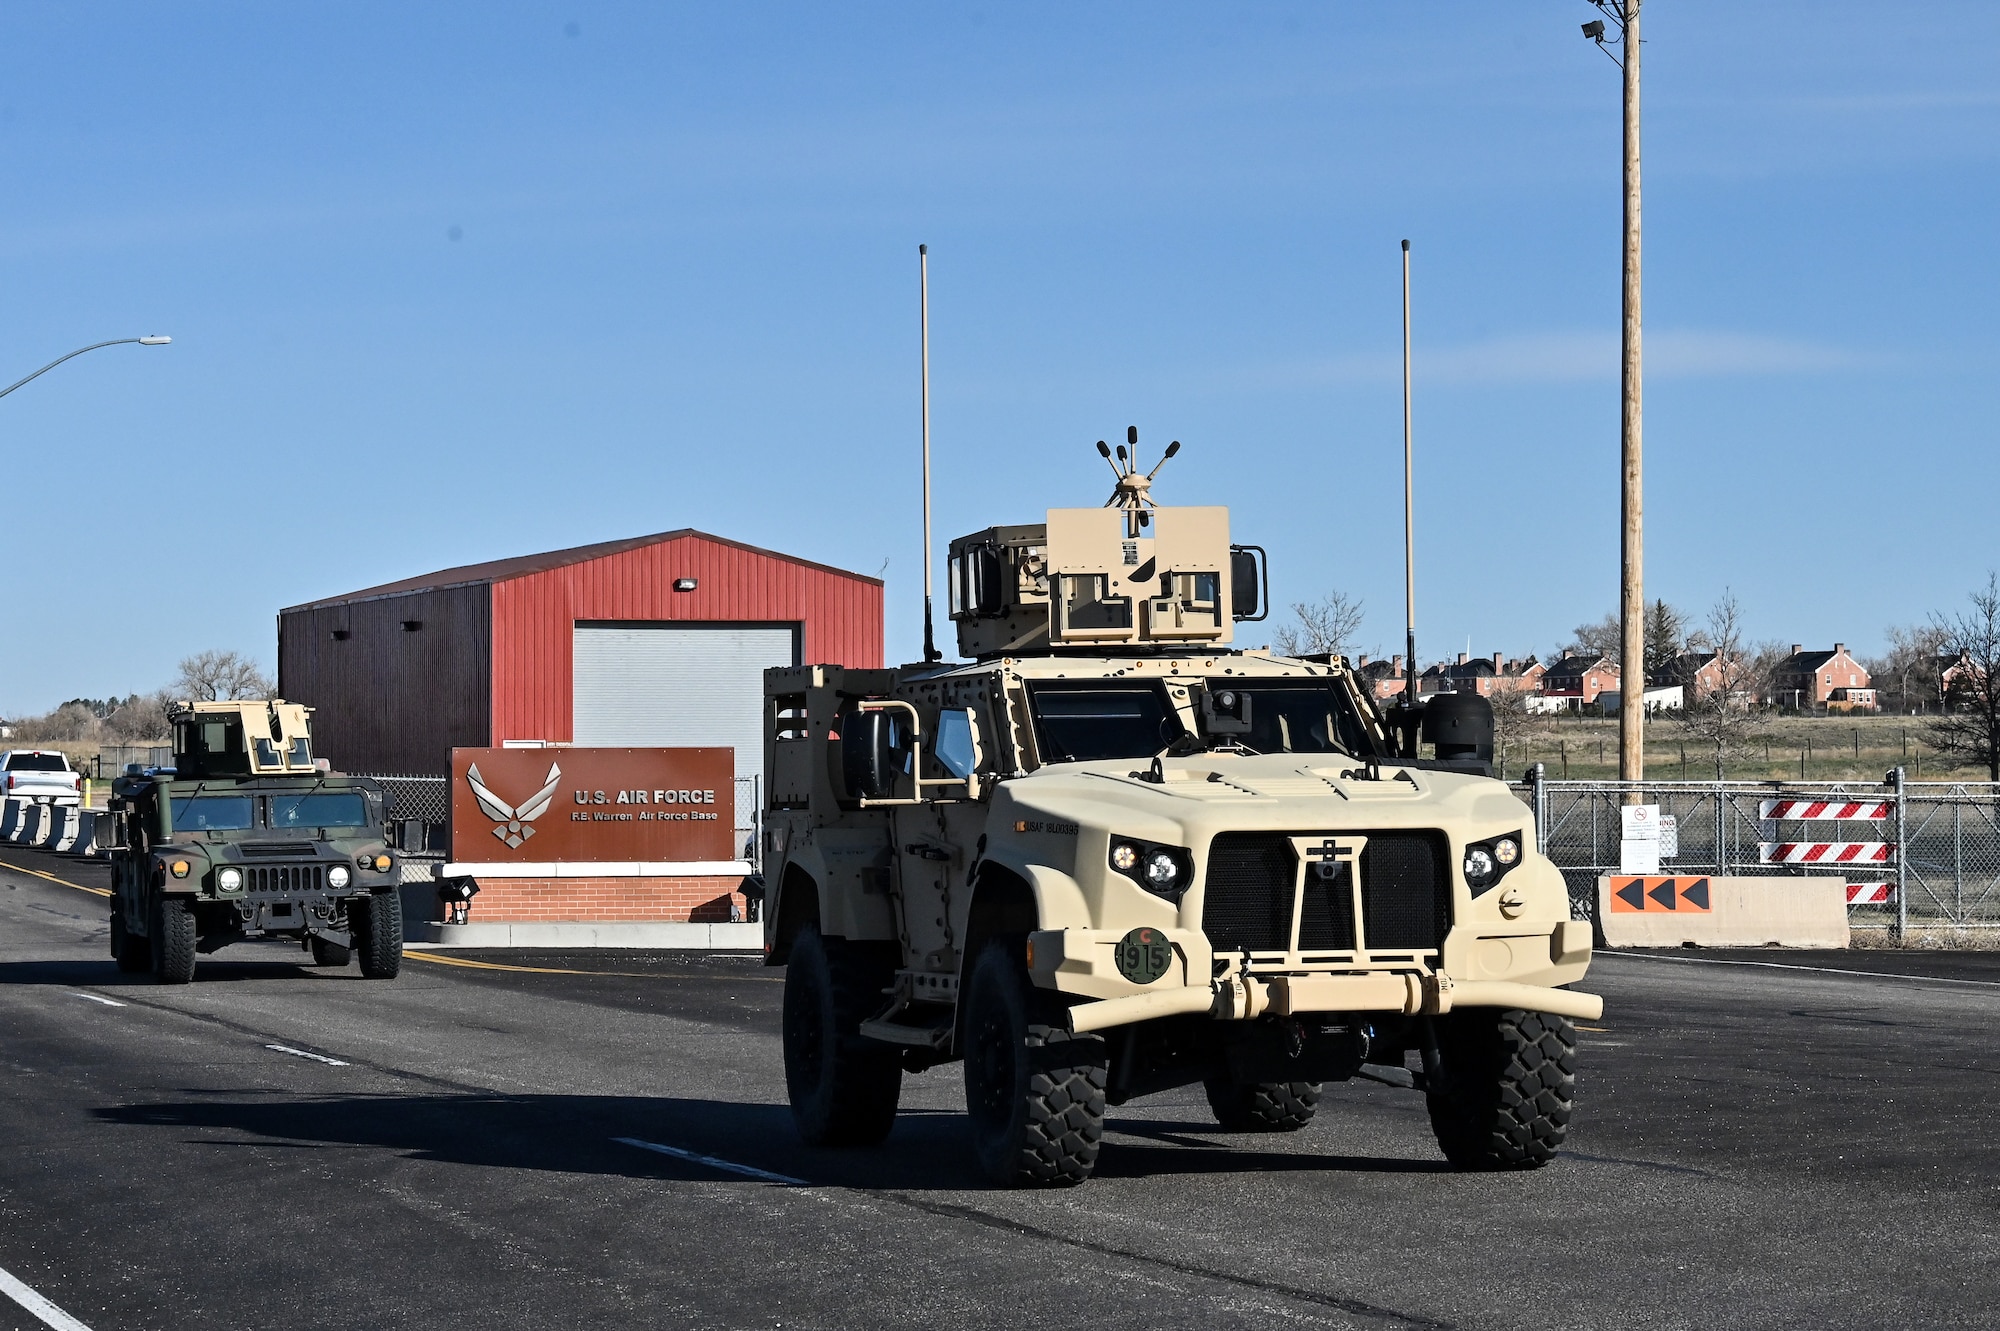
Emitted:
<point x="179" y="868"/>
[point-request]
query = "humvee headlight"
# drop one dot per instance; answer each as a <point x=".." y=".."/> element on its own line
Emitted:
<point x="337" y="876"/>
<point x="229" y="879"/>
<point x="1163" y="872"/>
<point x="179" y="868"/>
<point x="1124" y="857"/>
<point x="1480" y="867"/>
<point x="1506" y="850"/>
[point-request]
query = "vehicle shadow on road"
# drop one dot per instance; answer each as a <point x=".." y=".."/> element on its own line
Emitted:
<point x="578" y="1134"/>
<point x="106" y="975"/>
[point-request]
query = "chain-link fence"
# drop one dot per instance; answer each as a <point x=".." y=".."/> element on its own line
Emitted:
<point x="1914" y="853"/>
<point x="111" y="760"/>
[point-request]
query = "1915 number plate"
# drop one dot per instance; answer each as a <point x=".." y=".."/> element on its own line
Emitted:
<point x="1144" y="955"/>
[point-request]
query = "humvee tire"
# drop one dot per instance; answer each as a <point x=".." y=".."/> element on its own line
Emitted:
<point x="843" y="1088"/>
<point x="377" y="925"/>
<point x="1269" y="1106"/>
<point x="1033" y="1091"/>
<point x="330" y="954"/>
<point x="1507" y="1084"/>
<point x="171" y="942"/>
<point x="132" y="952"/>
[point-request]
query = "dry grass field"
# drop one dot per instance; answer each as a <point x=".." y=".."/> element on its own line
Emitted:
<point x="1784" y="748"/>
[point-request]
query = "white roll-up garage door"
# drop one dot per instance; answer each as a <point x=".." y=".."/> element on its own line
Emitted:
<point x="677" y="684"/>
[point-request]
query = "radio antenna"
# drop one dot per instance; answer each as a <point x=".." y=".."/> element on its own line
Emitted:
<point x="931" y="653"/>
<point x="1409" y="509"/>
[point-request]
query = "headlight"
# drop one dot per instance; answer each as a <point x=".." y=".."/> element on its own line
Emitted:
<point x="1479" y="867"/>
<point x="1165" y="871"/>
<point x="229" y="879"/>
<point x="1487" y="862"/>
<point x="338" y="876"/>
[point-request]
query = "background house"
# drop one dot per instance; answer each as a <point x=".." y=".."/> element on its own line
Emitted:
<point x="1576" y="678"/>
<point x="1814" y="679"/>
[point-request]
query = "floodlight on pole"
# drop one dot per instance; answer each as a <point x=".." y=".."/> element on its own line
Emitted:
<point x="1624" y="15"/>
<point x="150" y="340"/>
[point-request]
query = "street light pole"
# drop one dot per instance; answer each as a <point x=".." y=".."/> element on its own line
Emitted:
<point x="1631" y="582"/>
<point x="151" y="340"/>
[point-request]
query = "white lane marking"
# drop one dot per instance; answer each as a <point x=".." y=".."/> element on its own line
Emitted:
<point x="97" y="998"/>
<point x="1794" y="966"/>
<point x="49" y="1314"/>
<point x="307" y="1053"/>
<point x="728" y="1166"/>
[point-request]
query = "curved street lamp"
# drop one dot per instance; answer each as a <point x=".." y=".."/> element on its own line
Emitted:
<point x="151" y="340"/>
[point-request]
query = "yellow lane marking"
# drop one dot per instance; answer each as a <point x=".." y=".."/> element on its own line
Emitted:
<point x="22" y="868"/>
<point x="471" y="964"/>
<point x="1601" y="1030"/>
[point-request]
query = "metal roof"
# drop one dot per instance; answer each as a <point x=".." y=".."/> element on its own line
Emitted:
<point x="506" y="570"/>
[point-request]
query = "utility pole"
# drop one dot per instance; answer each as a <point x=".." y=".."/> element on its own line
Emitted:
<point x="1631" y="582"/>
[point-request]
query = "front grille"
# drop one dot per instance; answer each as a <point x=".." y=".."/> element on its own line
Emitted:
<point x="284" y="878"/>
<point x="1405" y="895"/>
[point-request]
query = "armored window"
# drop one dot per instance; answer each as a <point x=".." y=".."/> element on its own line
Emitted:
<point x="325" y="809"/>
<point x="301" y="754"/>
<point x="214" y="813"/>
<point x="1084" y="721"/>
<point x="956" y="748"/>
<point x="1299" y="716"/>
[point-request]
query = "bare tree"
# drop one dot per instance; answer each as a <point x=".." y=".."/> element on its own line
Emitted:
<point x="1719" y="714"/>
<point x="1908" y="674"/>
<point x="218" y="676"/>
<point x="1604" y="638"/>
<point x="139" y="720"/>
<point x="1515" y="720"/>
<point x="1969" y="727"/>
<point x="1325" y="626"/>
<point x="71" y="723"/>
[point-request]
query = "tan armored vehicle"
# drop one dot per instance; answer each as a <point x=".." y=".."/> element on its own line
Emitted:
<point x="1114" y="855"/>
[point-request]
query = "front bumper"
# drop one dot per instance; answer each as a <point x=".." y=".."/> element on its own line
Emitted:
<point x="1242" y="997"/>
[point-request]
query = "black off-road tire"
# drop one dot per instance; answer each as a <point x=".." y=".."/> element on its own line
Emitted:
<point x="1505" y="1087"/>
<point x="377" y="924"/>
<point x="133" y="952"/>
<point x="1265" y="1106"/>
<point x="171" y="945"/>
<point x="330" y="954"/>
<point x="1034" y="1092"/>
<point x="843" y="1087"/>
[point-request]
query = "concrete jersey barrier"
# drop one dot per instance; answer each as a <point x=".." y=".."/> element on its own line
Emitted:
<point x="32" y="824"/>
<point x="13" y="814"/>
<point x="1659" y="910"/>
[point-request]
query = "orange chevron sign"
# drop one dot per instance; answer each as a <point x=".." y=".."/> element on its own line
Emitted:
<point x="1633" y="896"/>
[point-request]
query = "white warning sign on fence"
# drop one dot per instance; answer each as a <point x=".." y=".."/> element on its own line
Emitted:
<point x="1639" y="846"/>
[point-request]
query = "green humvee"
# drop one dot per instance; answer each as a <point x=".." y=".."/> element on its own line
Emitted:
<point x="247" y="837"/>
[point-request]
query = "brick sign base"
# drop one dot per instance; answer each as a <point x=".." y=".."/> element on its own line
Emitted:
<point x="702" y="900"/>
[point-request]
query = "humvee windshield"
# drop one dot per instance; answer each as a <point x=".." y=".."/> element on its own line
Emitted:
<point x="1082" y="722"/>
<point x="1299" y="716"/>
<point x="214" y="813"/>
<point x="324" y="809"/>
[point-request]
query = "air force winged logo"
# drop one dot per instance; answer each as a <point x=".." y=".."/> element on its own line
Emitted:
<point x="513" y="822"/>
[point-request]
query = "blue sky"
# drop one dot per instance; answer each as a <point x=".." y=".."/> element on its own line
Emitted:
<point x="449" y="284"/>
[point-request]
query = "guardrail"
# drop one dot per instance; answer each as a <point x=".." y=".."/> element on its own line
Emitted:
<point x="1914" y="853"/>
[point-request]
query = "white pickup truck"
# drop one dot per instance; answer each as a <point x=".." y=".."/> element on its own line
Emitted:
<point x="40" y="775"/>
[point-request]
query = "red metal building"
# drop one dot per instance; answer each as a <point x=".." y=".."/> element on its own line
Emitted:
<point x="655" y="640"/>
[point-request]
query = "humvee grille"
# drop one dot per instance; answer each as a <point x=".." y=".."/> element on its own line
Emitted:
<point x="284" y="878"/>
<point x="1405" y="895"/>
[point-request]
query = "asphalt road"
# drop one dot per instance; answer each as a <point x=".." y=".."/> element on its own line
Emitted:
<point x="1755" y="1147"/>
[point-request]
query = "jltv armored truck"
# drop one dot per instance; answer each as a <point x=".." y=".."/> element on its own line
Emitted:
<point x="1111" y="855"/>
<point x="247" y="837"/>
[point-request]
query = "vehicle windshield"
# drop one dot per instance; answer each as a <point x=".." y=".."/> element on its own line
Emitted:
<point x="1298" y="716"/>
<point x="330" y="808"/>
<point x="1085" y="722"/>
<point x="214" y="813"/>
<point x="37" y="762"/>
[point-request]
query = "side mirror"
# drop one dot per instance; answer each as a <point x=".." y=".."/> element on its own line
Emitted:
<point x="873" y="754"/>
<point x="1460" y="725"/>
<point x="1248" y="571"/>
